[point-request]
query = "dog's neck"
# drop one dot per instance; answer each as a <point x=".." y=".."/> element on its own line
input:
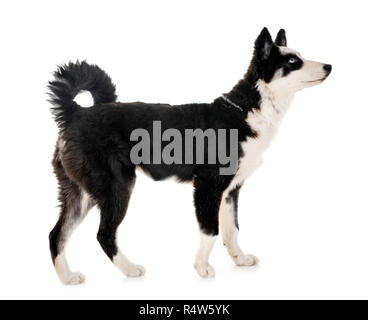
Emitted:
<point x="266" y="118"/>
<point x="252" y="95"/>
<point x="279" y="101"/>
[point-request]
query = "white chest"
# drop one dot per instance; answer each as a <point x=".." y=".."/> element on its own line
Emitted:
<point x="265" y="122"/>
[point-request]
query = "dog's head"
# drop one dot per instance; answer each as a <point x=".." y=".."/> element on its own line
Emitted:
<point x="283" y="69"/>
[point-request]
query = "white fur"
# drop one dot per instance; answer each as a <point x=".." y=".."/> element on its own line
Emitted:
<point x="276" y="98"/>
<point x="287" y="50"/>
<point x="311" y="74"/>
<point x="128" y="268"/>
<point x="265" y="123"/>
<point x="62" y="269"/>
<point x="230" y="235"/>
<point x="73" y="223"/>
<point x="84" y="98"/>
<point x="85" y="202"/>
<point x="204" y="269"/>
<point x="61" y="145"/>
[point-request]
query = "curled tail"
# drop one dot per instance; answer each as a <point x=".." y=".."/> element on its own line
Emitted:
<point x="72" y="78"/>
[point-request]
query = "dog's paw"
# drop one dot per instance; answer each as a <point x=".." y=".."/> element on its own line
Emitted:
<point x="134" y="270"/>
<point x="74" y="279"/>
<point x="205" y="270"/>
<point x="246" y="260"/>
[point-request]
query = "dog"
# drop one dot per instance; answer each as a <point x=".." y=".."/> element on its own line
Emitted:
<point x="92" y="159"/>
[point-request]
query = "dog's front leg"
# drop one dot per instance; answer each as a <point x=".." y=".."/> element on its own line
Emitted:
<point x="230" y="228"/>
<point x="207" y="201"/>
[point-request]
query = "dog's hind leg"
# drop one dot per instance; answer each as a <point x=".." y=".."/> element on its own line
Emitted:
<point x="75" y="203"/>
<point x="230" y="228"/>
<point x="207" y="201"/>
<point x="113" y="204"/>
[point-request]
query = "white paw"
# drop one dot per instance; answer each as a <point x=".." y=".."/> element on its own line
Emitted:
<point x="205" y="270"/>
<point x="246" y="260"/>
<point x="134" y="270"/>
<point x="74" y="279"/>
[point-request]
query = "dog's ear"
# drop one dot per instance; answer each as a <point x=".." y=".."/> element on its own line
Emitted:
<point x="281" y="39"/>
<point x="263" y="45"/>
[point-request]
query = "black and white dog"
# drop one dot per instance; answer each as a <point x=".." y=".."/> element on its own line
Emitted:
<point x="92" y="158"/>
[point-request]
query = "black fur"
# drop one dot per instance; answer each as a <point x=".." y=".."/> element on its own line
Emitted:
<point x="233" y="199"/>
<point x="73" y="78"/>
<point x="95" y="157"/>
<point x="281" y="39"/>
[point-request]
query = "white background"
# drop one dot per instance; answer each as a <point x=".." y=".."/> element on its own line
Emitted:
<point x="304" y="212"/>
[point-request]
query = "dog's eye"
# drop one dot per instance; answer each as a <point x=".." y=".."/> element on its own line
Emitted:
<point x="292" y="60"/>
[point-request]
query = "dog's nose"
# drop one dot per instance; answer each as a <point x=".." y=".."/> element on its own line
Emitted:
<point x="327" y="68"/>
